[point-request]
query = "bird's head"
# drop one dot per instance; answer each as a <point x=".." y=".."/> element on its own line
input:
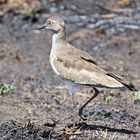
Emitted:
<point x="54" y="24"/>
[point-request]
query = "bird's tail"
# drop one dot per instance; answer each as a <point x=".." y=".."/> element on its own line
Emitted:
<point x="130" y="86"/>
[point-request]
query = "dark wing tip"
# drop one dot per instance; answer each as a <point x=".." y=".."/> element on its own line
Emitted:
<point x="130" y="86"/>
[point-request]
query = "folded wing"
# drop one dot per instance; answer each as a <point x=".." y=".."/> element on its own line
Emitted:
<point x="85" y="72"/>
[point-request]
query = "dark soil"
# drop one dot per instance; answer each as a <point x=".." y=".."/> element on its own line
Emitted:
<point x="32" y="110"/>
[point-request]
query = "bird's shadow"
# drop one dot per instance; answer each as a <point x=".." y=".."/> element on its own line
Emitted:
<point x="85" y="126"/>
<point x="109" y="129"/>
<point x="123" y="115"/>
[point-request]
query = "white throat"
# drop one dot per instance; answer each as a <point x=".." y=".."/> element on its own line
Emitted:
<point x="60" y="35"/>
<point x="55" y="37"/>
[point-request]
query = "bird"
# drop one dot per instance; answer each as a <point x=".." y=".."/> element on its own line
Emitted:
<point x="76" y="67"/>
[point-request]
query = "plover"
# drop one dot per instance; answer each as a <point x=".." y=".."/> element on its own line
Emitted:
<point x="76" y="67"/>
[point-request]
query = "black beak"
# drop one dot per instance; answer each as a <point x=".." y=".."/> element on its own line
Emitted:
<point x="41" y="27"/>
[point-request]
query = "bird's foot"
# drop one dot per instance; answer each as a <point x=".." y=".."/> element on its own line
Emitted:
<point x="80" y="113"/>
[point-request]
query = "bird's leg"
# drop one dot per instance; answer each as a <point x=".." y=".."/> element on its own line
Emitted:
<point x="71" y="89"/>
<point x="74" y="101"/>
<point x="74" y="113"/>
<point x="83" y="106"/>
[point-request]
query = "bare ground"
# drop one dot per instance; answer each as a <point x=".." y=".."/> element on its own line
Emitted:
<point x="33" y="111"/>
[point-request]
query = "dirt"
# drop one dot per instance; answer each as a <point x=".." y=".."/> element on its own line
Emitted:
<point x="33" y="109"/>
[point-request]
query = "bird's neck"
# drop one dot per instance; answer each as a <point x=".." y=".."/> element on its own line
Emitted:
<point x="58" y="36"/>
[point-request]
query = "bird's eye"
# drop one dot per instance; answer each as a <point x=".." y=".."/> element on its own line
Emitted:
<point x="49" y="23"/>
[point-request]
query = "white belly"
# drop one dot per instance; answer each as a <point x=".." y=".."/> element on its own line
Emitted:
<point x="55" y="70"/>
<point x="70" y="84"/>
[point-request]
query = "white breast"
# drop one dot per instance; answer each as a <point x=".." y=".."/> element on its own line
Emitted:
<point x="55" y="70"/>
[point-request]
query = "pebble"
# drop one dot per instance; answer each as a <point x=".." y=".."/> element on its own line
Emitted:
<point x="53" y="9"/>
